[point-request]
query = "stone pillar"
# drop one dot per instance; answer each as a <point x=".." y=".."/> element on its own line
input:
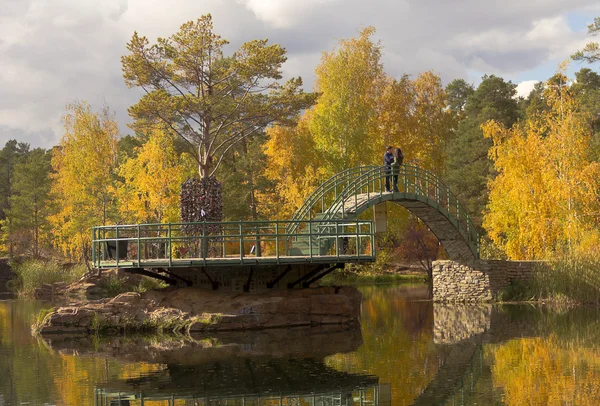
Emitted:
<point x="475" y="281"/>
<point x="380" y="218"/>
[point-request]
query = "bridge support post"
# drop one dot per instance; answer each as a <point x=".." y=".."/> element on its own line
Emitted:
<point x="380" y="217"/>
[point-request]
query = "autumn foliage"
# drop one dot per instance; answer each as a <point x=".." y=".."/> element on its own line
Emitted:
<point x="82" y="181"/>
<point x="544" y="201"/>
<point x="527" y="166"/>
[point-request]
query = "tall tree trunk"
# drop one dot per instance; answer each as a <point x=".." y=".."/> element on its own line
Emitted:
<point x="251" y="195"/>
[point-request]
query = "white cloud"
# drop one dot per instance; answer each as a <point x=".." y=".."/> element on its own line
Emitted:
<point x="525" y="87"/>
<point x="55" y="52"/>
<point x="284" y="13"/>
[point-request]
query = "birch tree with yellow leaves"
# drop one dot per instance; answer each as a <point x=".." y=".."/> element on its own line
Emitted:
<point x="294" y="166"/>
<point x="413" y="115"/>
<point x="360" y="110"/>
<point x="83" y="177"/>
<point x="152" y="180"/>
<point x="350" y="81"/>
<point x="544" y="201"/>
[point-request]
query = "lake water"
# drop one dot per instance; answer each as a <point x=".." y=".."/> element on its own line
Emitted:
<point x="407" y="351"/>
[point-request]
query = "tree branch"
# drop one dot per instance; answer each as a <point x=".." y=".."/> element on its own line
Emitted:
<point x="229" y="147"/>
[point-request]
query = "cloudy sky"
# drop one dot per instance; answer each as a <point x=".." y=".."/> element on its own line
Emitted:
<point x="54" y="52"/>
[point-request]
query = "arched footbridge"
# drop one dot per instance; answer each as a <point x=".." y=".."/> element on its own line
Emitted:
<point x="327" y="232"/>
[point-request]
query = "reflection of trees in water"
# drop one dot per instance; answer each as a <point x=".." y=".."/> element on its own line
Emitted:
<point x="542" y="371"/>
<point x="396" y="349"/>
<point x="31" y="373"/>
<point x="24" y="369"/>
<point x="560" y="365"/>
<point x="397" y="330"/>
<point x="403" y="306"/>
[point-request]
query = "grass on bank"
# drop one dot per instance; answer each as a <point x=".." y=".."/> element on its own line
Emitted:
<point x="569" y="280"/>
<point x="33" y="273"/>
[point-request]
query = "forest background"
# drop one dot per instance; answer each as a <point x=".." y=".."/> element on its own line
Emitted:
<point x="526" y="169"/>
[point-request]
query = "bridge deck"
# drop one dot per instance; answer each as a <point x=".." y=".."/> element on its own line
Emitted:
<point x="216" y="262"/>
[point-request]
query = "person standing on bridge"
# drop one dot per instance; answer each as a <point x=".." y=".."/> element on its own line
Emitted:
<point x="388" y="160"/>
<point x="398" y="159"/>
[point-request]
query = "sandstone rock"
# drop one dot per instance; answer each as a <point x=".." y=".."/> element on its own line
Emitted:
<point x="197" y="310"/>
<point x="129" y="298"/>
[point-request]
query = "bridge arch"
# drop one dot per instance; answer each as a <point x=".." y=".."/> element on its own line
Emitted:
<point x="349" y="193"/>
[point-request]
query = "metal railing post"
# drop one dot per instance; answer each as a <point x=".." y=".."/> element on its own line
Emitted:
<point x="457" y="215"/>
<point x="170" y="245"/>
<point x="241" y="243"/>
<point x="357" y="240"/>
<point x="203" y="243"/>
<point x="139" y="247"/>
<point x="373" y="246"/>
<point x="337" y="239"/>
<point x="277" y="240"/>
<point x="310" y="239"/>
<point x="94" y="243"/>
<point x="117" y="244"/>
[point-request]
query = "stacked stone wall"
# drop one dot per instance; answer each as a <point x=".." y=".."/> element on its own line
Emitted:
<point x="521" y="270"/>
<point x="477" y="281"/>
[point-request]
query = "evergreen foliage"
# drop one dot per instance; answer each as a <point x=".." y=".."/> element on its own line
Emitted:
<point x="469" y="169"/>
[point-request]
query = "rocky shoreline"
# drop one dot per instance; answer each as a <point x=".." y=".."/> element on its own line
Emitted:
<point x="192" y="310"/>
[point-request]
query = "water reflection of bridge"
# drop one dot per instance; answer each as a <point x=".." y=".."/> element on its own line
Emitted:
<point x="270" y="367"/>
<point x="245" y="381"/>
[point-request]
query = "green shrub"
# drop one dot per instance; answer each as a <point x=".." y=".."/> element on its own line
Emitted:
<point x="517" y="291"/>
<point x="33" y="273"/>
<point x="148" y="283"/>
<point x="115" y="285"/>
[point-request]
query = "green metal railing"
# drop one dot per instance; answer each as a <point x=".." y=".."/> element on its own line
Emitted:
<point x="366" y="185"/>
<point x="233" y="242"/>
<point x="326" y="194"/>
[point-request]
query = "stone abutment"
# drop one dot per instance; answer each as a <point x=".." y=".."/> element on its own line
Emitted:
<point x="477" y="281"/>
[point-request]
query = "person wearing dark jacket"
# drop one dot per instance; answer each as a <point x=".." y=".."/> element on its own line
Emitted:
<point x="388" y="160"/>
<point x="398" y="160"/>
